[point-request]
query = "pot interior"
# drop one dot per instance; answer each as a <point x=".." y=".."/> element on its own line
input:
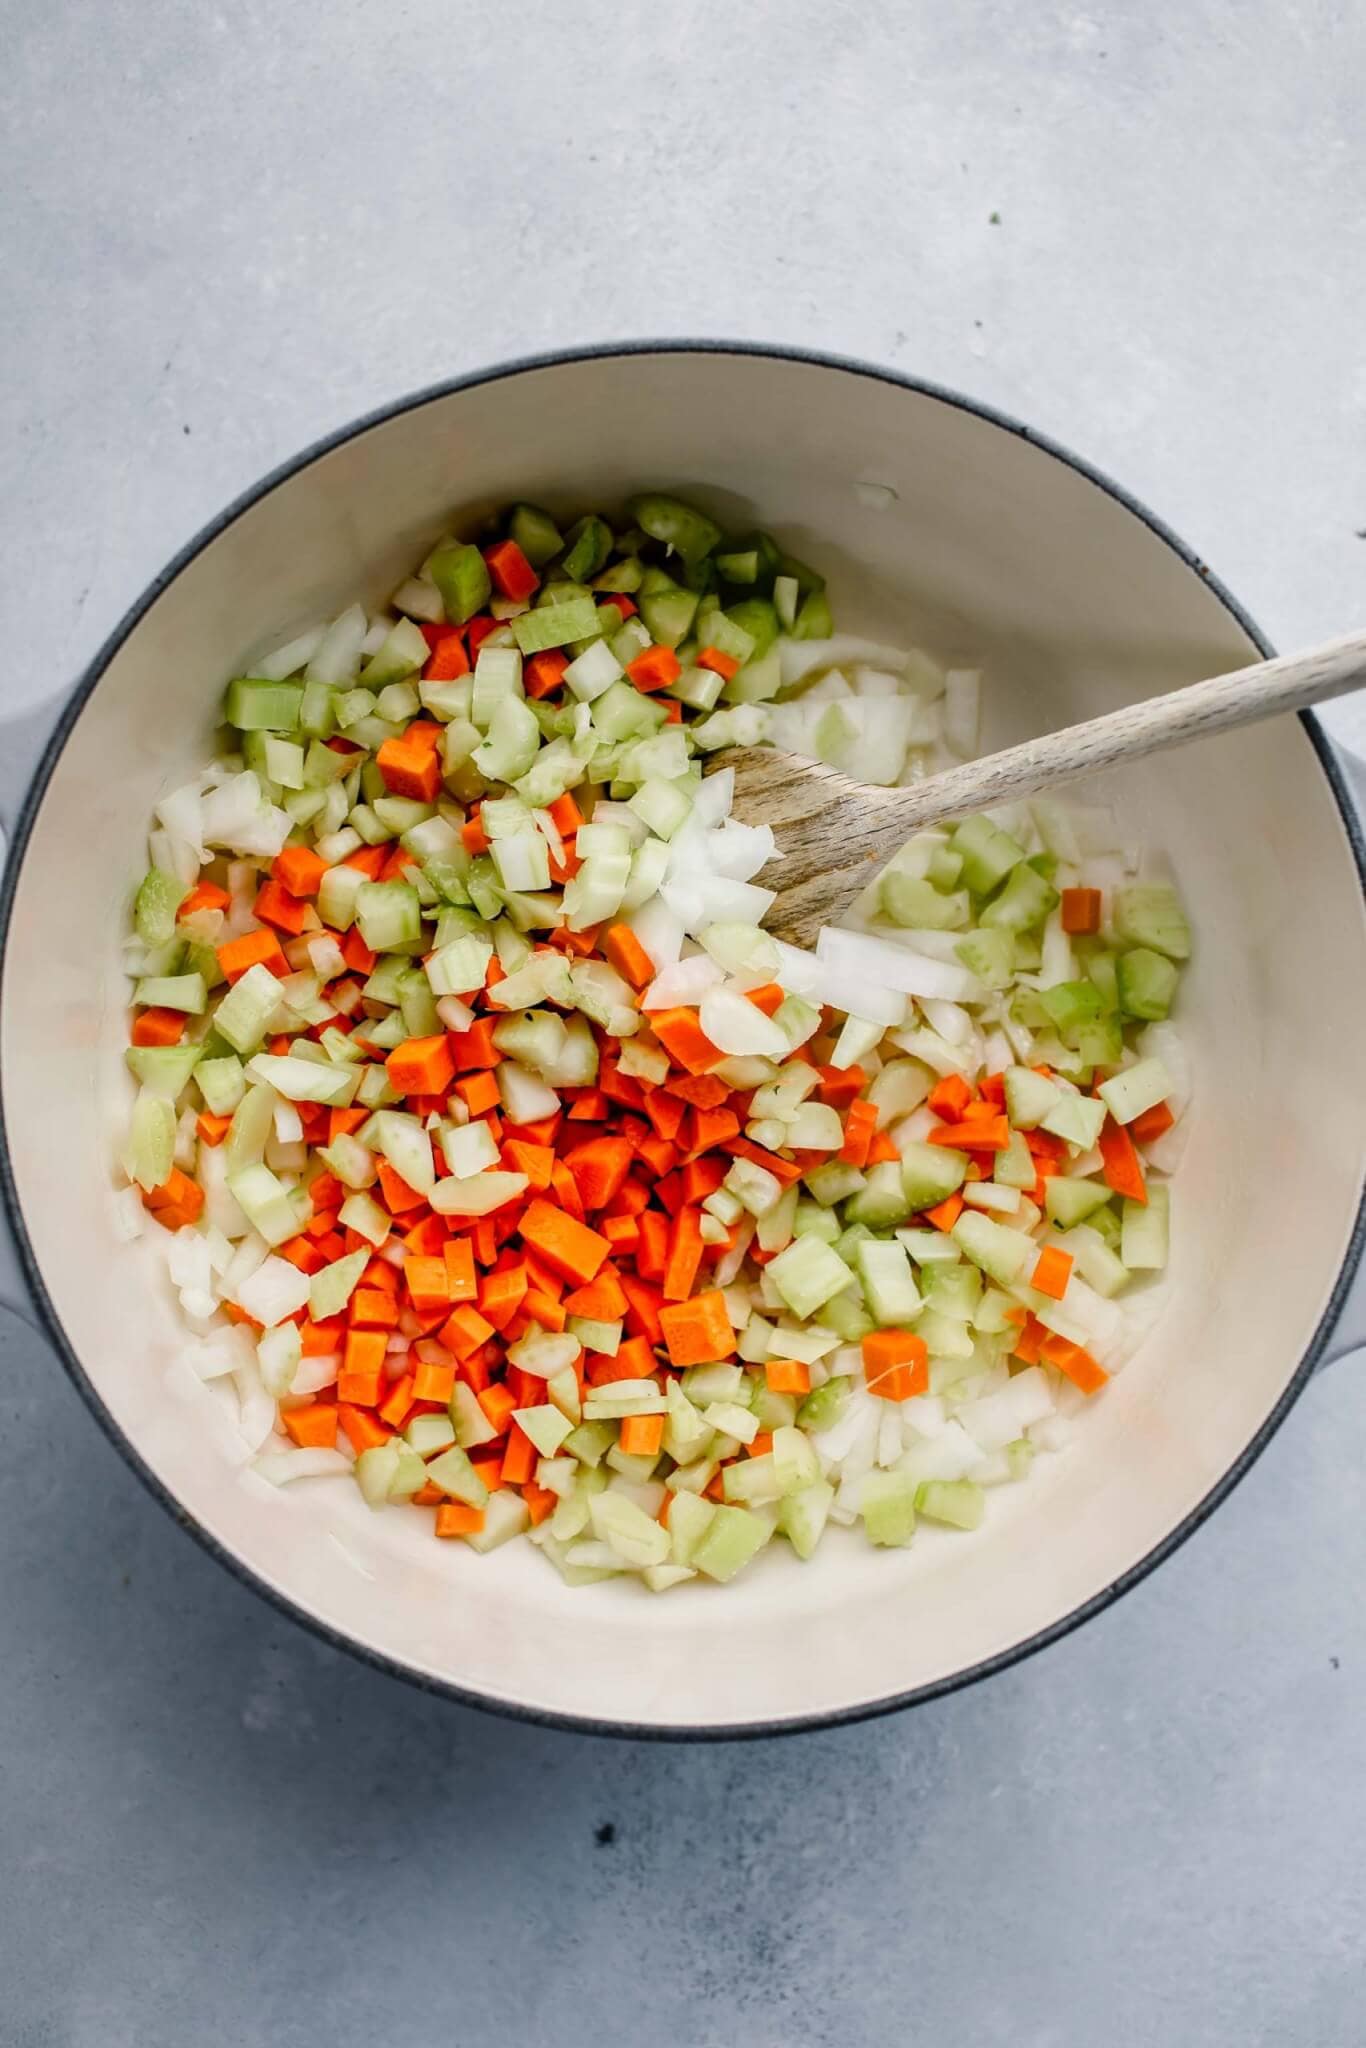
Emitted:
<point x="992" y="549"/>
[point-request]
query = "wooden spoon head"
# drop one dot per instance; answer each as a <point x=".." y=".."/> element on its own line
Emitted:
<point x="831" y="834"/>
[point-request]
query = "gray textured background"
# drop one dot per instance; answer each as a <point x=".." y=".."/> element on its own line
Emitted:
<point x="230" y="228"/>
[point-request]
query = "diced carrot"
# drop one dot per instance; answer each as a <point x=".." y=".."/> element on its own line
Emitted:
<point x="511" y="572"/>
<point x="1076" y="1363"/>
<point x="720" y="664"/>
<point x="473" y="837"/>
<point x="177" y="1193"/>
<point x="433" y="1382"/>
<point x="393" y="1409"/>
<point x="684" y="1255"/>
<point x="497" y="1404"/>
<point x="787" y="1376"/>
<point x="841" y="1085"/>
<point x="683" y="1038"/>
<point x="568" y="1247"/>
<point x="625" y="952"/>
<point x="702" y="1177"/>
<point x="365" y="1432"/>
<point x="769" y="998"/>
<point x="520" y="1458"/>
<point x="399" y="1198"/>
<point x="276" y="906"/>
<point x="949" y="1097"/>
<point x="540" y="1502"/>
<point x="542" y="1308"/>
<point x="458" y="1518"/>
<point x="235" y="956"/>
<point x="1151" y="1124"/>
<point x="784" y="1170"/>
<point x="642" y="1435"/>
<point x="599" y="1167"/>
<point x="464" y="1330"/>
<point x="654" y="669"/>
<point x="859" y="1125"/>
<point x="565" y="814"/>
<point x="156" y="1026"/>
<point x="946" y="1213"/>
<point x="369" y="859"/>
<point x="544" y="672"/>
<point x="1028" y="1346"/>
<point x="313" y="1428"/>
<point x="318" y="1339"/>
<point x="882" y="1149"/>
<point x="1052" y="1271"/>
<point x="535" y="1161"/>
<point x="212" y="1129"/>
<point x="992" y="1089"/>
<point x="700" y="1091"/>
<point x="203" y="896"/>
<point x="652" y="1244"/>
<point x="976" y="1134"/>
<point x="372" y="1308"/>
<point x="460" y="1280"/>
<point x="1121" y="1169"/>
<point x="421" y="1066"/>
<point x="474" y="1048"/>
<point x="302" y="1253"/>
<point x="410" y="770"/>
<point x="896" y="1364"/>
<point x="1081" y="911"/>
<point x="698" y="1332"/>
<point x="448" y="658"/>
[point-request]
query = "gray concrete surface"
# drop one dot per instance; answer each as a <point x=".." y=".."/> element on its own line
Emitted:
<point x="229" y="228"/>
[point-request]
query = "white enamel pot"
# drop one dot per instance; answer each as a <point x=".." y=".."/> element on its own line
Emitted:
<point x="996" y="546"/>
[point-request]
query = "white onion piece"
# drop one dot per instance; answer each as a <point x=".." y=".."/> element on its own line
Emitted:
<point x="282" y="1467"/>
<point x="736" y="1025"/>
<point x="275" y="1290"/>
<point x="739" y="852"/>
<point x="288" y="659"/>
<point x="660" y="931"/>
<point x="684" y="981"/>
<point x="856" y="957"/>
<point x="800" y="658"/>
<point x="962" y="710"/>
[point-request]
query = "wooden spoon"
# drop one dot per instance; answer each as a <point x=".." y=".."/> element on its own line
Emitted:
<point x="835" y="834"/>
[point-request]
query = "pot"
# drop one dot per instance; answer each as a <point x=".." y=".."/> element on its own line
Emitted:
<point x="977" y="539"/>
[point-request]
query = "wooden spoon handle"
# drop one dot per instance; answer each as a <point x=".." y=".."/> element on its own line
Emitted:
<point x="1262" y="691"/>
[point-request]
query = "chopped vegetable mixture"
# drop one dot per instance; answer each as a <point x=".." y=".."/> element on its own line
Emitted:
<point x="508" y="1163"/>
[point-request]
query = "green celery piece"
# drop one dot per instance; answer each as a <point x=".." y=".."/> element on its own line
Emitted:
<point x="993" y="956"/>
<point x="809" y="581"/>
<point x="252" y="705"/>
<point x="1102" y="969"/>
<point x="1025" y="900"/>
<point x="755" y="617"/>
<point x="587" y="545"/>
<point x="535" y="533"/>
<point x="815" y="620"/>
<point x="1068" y="1200"/>
<point x="154" y="910"/>
<point x="461" y="574"/>
<point x="162" y="1069"/>
<point x="739" y="566"/>
<point x="823" y="1405"/>
<point x="732" y="1537"/>
<point x="556" y="624"/>
<point x="988" y="854"/>
<point x="668" y="613"/>
<point x="930" y="1174"/>
<point x="1145" y="983"/>
<point x="958" y="1502"/>
<point x="887" y="1504"/>
<point x="690" y="533"/>
<point x="1150" y="914"/>
<point x="884" y="1202"/>
<point x="914" y="903"/>
<point x="1069" y="1004"/>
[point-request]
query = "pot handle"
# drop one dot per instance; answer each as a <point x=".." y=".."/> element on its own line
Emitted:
<point x="23" y="740"/>
<point x="1349" y="1333"/>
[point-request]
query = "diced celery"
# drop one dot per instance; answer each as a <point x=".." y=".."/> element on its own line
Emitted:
<point x="831" y="1183"/>
<point x="913" y="902"/>
<point x="163" y="1069"/>
<point x="304" y="1080"/>
<point x="957" y="1502"/>
<point x="556" y="624"/>
<point x="822" y="1407"/>
<point x="930" y="1174"/>
<point x="506" y="1516"/>
<point x="1014" y="1167"/>
<point x="173" y="992"/>
<point x="247" y="1011"/>
<point x="807" y="1275"/>
<point x="535" y="533"/>
<point x="150" y="1151"/>
<point x="255" y="706"/>
<point x="587" y="546"/>
<point x="154" y="909"/>
<point x="337" y="896"/>
<point x="389" y="915"/>
<point x="887" y="1504"/>
<point x="1151" y="914"/>
<point x="1128" y="1093"/>
<point x="802" y="1515"/>
<point x="455" y="1475"/>
<point x="992" y="956"/>
<point x="636" y="1539"/>
<point x="1069" y="1200"/>
<point x="545" y="1426"/>
<point x="252" y="1123"/>
<point x="953" y="1290"/>
<point x="883" y="1202"/>
<point x="461" y="574"/>
<point x="814" y="620"/>
<point x="1025" y="900"/>
<point x="1069" y="1004"/>
<point x="1077" y="1118"/>
<point x="988" y="854"/>
<point x="668" y="611"/>
<point x="930" y="1247"/>
<point x="730" y="1540"/>
<point x="264" y="1201"/>
<point x="1145" y="983"/>
<point x="680" y="527"/>
<point x="331" y="1287"/>
<point x="999" y="1251"/>
<point x="358" y="1212"/>
<point x="1144" y="1231"/>
<point x="1029" y="1097"/>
